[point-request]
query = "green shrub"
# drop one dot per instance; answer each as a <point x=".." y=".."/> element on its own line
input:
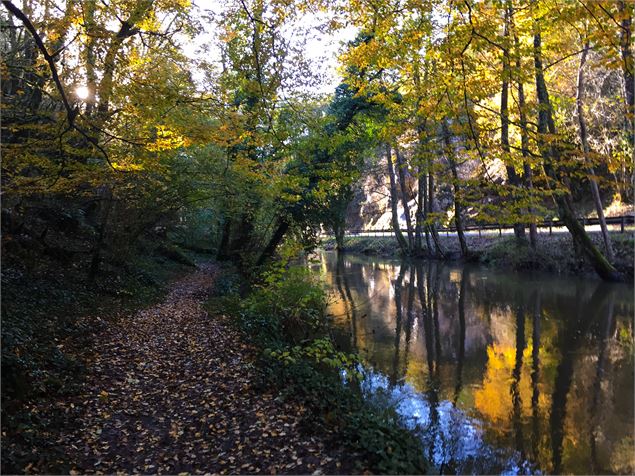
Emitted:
<point x="290" y="303"/>
<point x="285" y="317"/>
<point x="313" y="375"/>
<point x="514" y="254"/>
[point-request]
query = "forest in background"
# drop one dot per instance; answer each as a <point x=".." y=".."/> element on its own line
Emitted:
<point x="119" y="149"/>
<point x="508" y="110"/>
<point x="138" y="134"/>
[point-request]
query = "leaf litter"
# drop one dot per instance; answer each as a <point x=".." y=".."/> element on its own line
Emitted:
<point x="169" y="391"/>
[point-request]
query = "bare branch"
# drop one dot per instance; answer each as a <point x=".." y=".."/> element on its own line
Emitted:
<point x="70" y="112"/>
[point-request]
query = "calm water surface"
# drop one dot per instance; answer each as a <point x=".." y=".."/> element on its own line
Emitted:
<point x="507" y="372"/>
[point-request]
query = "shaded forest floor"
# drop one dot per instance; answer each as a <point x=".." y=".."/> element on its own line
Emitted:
<point x="170" y="390"/>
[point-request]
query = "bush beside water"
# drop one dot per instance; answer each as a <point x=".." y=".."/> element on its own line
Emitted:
<point x="284" y="316"/>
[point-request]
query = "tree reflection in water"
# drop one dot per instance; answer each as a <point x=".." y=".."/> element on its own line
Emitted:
<point x="506" y="372"/>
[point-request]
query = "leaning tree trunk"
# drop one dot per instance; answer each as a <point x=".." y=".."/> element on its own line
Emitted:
<point x="595" y="190"/>
<point x="552" y="156"/>
<point x="274" y="241"/>
<point x="404" y="196"/>
<point x="403" y="245"/>
<point x="512" y="176"/>
<point x="458" y="209"/>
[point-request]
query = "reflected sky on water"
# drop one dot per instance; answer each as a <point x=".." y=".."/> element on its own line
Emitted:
<point x="508" y="372"/>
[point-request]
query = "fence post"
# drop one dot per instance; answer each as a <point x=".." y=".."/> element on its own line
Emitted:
<point x="500" y="231"/>
<point x="550" y="230"/>
<point x="479" y="232"/>
<point x="622" y="224"/>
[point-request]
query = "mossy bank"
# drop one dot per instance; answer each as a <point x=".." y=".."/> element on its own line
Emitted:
<point x="554" y="253"/>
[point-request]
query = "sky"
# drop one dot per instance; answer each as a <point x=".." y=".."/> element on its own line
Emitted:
<point x="321" y="48"/>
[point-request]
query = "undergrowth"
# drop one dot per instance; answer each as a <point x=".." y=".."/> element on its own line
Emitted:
<point x="518" y="255"/>
<point x="284" y="316"/>
<point x="383" y="246"/>
<point x="49" y="313"/>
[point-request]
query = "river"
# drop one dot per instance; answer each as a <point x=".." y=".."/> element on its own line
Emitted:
<point x="505" y="372"/>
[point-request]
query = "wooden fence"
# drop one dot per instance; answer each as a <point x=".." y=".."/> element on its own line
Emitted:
<point x="620" y="221"/>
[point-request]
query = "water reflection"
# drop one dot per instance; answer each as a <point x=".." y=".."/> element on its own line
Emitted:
<point x="508" y="373"/>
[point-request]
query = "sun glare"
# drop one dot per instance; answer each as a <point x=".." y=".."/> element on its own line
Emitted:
<point x="82" y="92"/>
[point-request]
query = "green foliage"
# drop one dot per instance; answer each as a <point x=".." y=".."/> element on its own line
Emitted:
<point x="322" y="354"/>
<point x="514" y="254"/>
<point x="290" y="301"/>
<point x="307" y="367"/>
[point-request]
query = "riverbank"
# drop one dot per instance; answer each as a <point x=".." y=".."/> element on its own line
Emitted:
<point x="180" y="384"/>
<point x="554" y="253"/>
<point x="283" y="318"/>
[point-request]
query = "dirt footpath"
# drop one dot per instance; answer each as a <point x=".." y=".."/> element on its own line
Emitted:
<point x="169" y="390"/>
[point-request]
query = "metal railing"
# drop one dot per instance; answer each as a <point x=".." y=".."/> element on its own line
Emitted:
<point x="621" y="221"/>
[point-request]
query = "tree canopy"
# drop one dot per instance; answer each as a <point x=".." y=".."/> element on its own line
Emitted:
<point x="112" y="127"/>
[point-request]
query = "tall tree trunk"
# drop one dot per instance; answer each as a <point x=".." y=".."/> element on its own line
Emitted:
<point x="403" y="245"/>
<point x="524" y="147"/>
<point x="432" y="227"/>
<point x="95" y="261"/>
<point x="628" y="73"/>
<point x="420" y="213"/>
<point x="512" y="176"/>
<point x="458" y="209"/>
<point x="404" y="196"/>
<point x="242" y="239"/>
<point x="595" y="190"/>
<point x="223" y="247"/>
<point x="552" y="156"/>
<point x="339" y="237"/>
<point x="626" y="12"/>
<point x="89" y="54"/>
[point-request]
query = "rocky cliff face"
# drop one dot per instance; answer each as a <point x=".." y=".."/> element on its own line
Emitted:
<point x="370" y="209"/>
